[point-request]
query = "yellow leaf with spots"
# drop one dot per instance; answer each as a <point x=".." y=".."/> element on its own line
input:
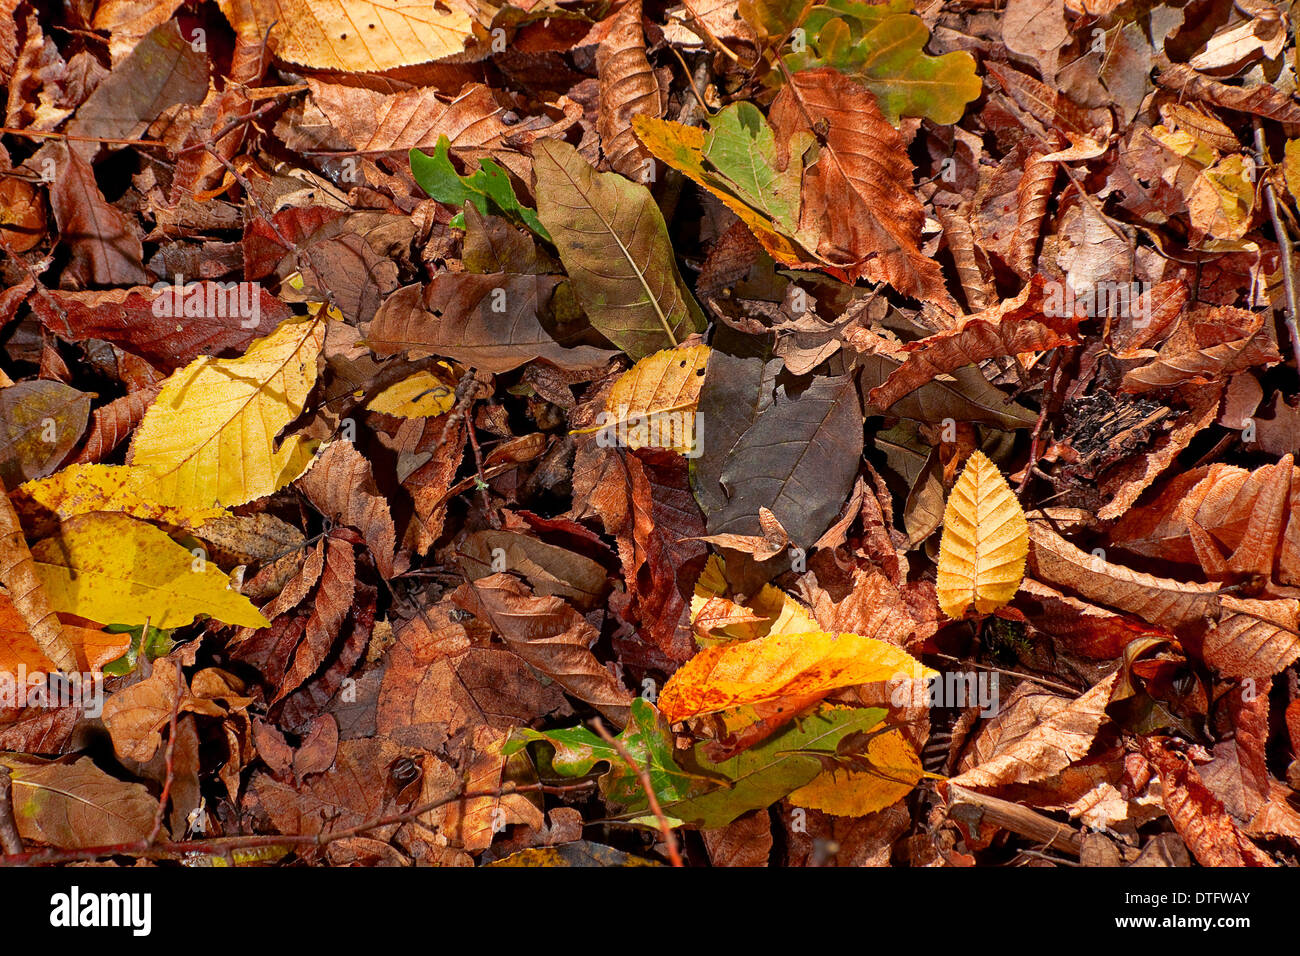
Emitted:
<point x="653" y="403"/>
<point x="113" y="569"/>
<point x="81" y="489"/>
<point x="209" y="439"/>
<point x="866" y="782"/>
<point x="985" y="541"/>
<point x="797" y="666"/>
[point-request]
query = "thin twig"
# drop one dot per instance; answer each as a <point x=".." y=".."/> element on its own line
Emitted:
<point x="170" y="772"/>
<point x="223" y="846"/>
<point x="1284" y="247"/>
<point x="643" y="777"/>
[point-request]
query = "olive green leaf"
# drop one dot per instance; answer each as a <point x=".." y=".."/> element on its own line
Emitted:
<point x="614" y="245"/>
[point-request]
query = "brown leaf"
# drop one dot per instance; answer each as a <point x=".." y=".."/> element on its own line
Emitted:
<point x="464" y="317"/>
<point x="104" y="241"/>
<point x="628" y="88"/>
<point x="18" y="575"/>
<point x="73" y="805"/>
<point x="329" y="607"/>
<point x="1198" y="816"/>
<point x="745" y="841"/>
<point x="1056" y="734"/>
<point x="552" y="637"/>
<point x="111" y="424"/>
<point x="1023" y="324"/>
<point x="857" y="197"/>
<point x="340" y="485"/>
<point x="40" y="422"/>
<point x="136" y="715"/>
<point x="167" y="327"/>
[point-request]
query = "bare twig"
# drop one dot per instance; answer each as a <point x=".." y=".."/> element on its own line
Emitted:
<point x="973" y="808"/>
<point x="1284" y="247"/>
<point x="224" y="846"/>
<point x="170" y="773"/>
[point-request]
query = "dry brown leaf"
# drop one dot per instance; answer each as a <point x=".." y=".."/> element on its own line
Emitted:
<point x="628" y="88"/>
<point x="26" y="593"/>
<point x="1199" y="817"/>
<point x="1048" y="746"/>
<point x="340" y="485"/>
<point x="857" y="197"/>
<point x="551" y="636"/>
<point x="1022" y="324"/>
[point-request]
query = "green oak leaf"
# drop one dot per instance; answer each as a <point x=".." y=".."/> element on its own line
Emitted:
<point x="886" y="53"/>
<point x="488" y="187"/>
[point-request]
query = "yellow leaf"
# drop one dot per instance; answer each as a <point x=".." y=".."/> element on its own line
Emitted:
<point x="888" y="772"/>
<point x="355" y="36"/>
<point x="771" y="611"/>
<point x="116" y="570"/>
<point x="653" y="403"/>
<point x="782" y="665"/>
<point x="422" y="395"/>
<point x="81" y="489"/>
<point x="1291" y="169"/>
<point x="985" y="541"/>
<point x="208" y="440"/>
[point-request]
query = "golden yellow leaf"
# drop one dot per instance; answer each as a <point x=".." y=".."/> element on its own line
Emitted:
<point x="883" y="776"/>
<point x="985" y="541"/>
<point x="355" y="36"/>
<point x="114" y="569"/>
<point x="208" y="440"/>
<point x="653" y="403"/>
<point x="421" y="395"/>
<point x="81" y="489"/>
<point x="779" y="666"/>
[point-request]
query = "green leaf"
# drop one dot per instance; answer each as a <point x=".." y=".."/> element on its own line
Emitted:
<point x="647" y="740"/>
<point x="887" y="55"/>
<point x="700" y="791"/>
<point x="742" y="147"/>
<point x="155" y="642"/>
<point x="764" y="774"/>
<point x="488" y="188"/>
<point x="614" y="245"/>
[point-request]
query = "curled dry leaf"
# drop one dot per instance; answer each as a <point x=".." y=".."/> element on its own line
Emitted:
<point x="628" y="88"/>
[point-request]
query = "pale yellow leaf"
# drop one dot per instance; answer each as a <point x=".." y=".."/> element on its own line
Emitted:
<point x="985" y="540"/>
<point x="209" y="439"/>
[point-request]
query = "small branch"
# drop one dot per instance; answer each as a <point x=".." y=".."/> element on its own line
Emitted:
<point x="643" y="777"/>
<point x="973" y="808"/>
<point x="10" y="841"/>
<point x="170" y="773"/>
<point x="224" y="846"/>
<point x="1284" y="247"/>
